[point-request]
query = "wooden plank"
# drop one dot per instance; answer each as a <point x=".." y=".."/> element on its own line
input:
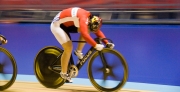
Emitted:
<point x="37" y="87"/>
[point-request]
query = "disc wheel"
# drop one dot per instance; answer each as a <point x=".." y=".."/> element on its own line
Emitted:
<point x="111" y="77"/>
<point x="43" y="60"/>
<point x="8" y="69"/>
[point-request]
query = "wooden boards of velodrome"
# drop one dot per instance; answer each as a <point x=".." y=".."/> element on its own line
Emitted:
<point x="37" y="87"/>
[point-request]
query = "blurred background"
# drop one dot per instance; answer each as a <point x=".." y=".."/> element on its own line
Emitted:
<point x="146" y="32"/>
<point x="112" y="11"/>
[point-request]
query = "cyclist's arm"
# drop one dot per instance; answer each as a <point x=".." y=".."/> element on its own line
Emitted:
<point x="100" y="34"/>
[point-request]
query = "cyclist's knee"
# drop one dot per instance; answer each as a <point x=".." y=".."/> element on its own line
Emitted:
<point x="68" y="46"/>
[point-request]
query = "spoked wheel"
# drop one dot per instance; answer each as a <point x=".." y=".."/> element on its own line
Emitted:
<point x="8" y="69"/>
<point x="44" y="74"/>
<point x="111" y="76"/>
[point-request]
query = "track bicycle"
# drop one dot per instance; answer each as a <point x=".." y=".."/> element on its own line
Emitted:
<point x="107" y="69"/>
<point x="8" y="68"/>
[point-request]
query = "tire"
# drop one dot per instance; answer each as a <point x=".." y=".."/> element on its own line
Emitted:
<point x="8" y="69"/>
<point x="43" y="59"/>
<point x="111" y="80"/>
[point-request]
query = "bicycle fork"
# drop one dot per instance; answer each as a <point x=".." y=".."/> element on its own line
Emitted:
<point x="106" y="68"/>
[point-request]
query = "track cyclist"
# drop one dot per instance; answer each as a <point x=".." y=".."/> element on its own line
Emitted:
<point x="76" y="20"/>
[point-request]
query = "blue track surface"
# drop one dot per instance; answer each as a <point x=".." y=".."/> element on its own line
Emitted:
<point x="152" y="51"/>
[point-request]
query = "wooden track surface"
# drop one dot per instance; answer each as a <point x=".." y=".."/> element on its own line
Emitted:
<point x="37" y="87"/>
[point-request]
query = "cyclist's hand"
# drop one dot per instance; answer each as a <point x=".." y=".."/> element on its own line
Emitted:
<point x="3" y="41"/>
<point x="110" y="45"/>
<point x="99" y="47"/>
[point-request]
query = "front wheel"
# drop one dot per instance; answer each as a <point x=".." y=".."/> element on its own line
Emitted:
<point x="43" y="61"/>
<point x="109" y="71"/>
<point x="8" y="69"/>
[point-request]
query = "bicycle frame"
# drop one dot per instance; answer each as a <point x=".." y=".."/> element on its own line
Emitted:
<point x="90" y="52"/>
<point x="84" y="59"/>
<point x="81" y="62"/>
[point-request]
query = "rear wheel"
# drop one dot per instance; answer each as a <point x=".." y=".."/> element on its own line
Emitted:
<point x="111" y="77"/>
<point x="43" y="61"/>
<point x="8" y="69"/>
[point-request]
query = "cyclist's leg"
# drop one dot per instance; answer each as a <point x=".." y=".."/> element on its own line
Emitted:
<point x="67" y="46"/>
<point x="66" y="43"/>
<point x="80" y="47"/>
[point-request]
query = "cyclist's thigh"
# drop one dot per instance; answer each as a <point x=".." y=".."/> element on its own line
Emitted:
<point x="59" y="33"/>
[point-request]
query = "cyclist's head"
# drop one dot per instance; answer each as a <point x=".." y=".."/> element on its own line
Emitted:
<point x="95" y="23"/>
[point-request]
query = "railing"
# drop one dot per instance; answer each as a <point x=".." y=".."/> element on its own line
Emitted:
<point x="111" y="11"/>
<point x="111" y="16"/>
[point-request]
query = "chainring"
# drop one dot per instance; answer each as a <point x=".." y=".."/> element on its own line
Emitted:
<point x="73" y="71"/>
